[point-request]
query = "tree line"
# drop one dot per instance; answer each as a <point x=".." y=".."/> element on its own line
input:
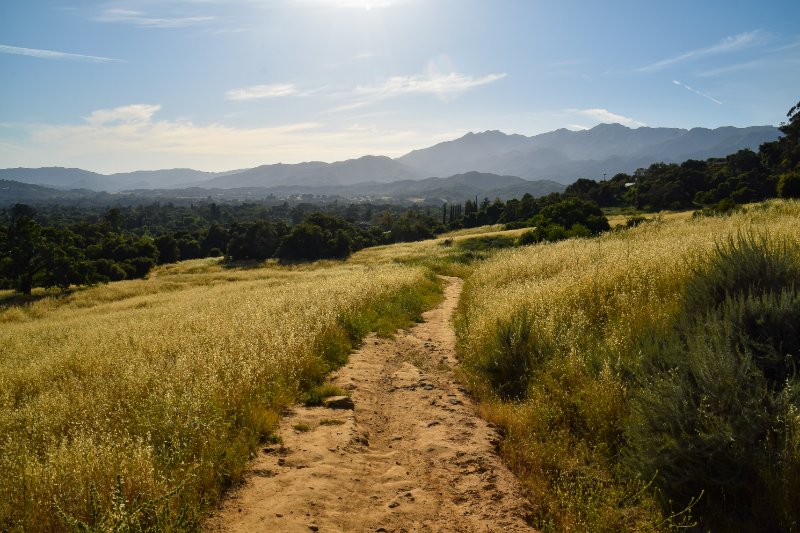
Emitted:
<point x="745" y="176"/>
<point x="61" y="245"/>
<point x="60" y="248"/>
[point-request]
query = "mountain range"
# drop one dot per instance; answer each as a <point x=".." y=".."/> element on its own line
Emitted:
<point x="564" y="155"/>
<point x="478" y="163"/>
<point x="453" y="189"/>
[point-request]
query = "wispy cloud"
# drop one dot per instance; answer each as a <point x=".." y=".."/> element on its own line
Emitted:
<point x="729" y="68"/>
<point x="604" y="115"/>
<point x="130" y="114"/>
<point x="258" y="92"/>
<point x="52" y="54"/>
<point x="729" y="44"/>
<point x="436" y="84"/>
<point x="139" y="18"/>
<point x="445" y="86"/>
<point x="695" y="91"/>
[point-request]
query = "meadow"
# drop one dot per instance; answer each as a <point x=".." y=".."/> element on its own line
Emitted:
<point x="644" y="379"/>
<point x="134" y="405"/>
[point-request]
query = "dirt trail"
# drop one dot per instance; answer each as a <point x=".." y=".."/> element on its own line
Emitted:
<point x="412" y="456"/>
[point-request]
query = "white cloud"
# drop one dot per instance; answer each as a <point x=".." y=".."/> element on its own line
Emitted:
<point x="130" y="114"/>
<point x="445" y="86"/>
<point x="695" y="91"/>
<point x="729" y="44"/>
<point x="139" y="18"/>
<point x="606" y="116"/>
<point x="51" y="54"/>
<point x="257" y="92"/>
<point x="432" y="83"/>
<point x="132" y="137"/>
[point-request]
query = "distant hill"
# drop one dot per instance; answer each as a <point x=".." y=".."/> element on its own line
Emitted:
<point x="453" y="189"/>
<point x="58" y="177"/>
<point x="563" y="155"/>
<point x="76" y="178"/>
<point x="14" y="191"/>
<point x="367" y="168"/>
<point x="557" y="156"/>
<point x="151" y="179"/>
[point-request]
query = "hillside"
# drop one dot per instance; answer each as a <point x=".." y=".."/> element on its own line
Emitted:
<point x="456" y="188"/>
<point x="563" y="155"/>
<point x="316" y="173"/>
<point x="15" y="191"/>
<point x="58" y="177"/>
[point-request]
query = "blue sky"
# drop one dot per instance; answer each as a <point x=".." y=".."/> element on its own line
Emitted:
<point x="122" y="85"/>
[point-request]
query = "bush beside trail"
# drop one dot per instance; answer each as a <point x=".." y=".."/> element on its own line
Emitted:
<point x="646" y="379"/>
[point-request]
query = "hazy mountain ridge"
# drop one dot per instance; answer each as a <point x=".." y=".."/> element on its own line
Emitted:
<point x="561" y="155"/>
<point x="349" y="172"/>
<point x="76" y="178"/>
<point x="15" y="191"/>
<point x="456" y="188"/>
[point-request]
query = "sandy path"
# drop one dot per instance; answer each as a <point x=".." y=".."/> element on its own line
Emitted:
<point x="412" y="456"/>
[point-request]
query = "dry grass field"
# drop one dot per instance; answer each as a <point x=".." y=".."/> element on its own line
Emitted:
<point x="550" y="336"/>
<point x="134" y="404"/>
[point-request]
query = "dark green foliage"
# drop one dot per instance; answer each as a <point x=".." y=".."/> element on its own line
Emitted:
<point x="607" y="193"/>
<point x="572" y="211"/>
<point x="168" y="251"/>
<point x="321" y="237"/>
<point x="36" y="256"/>
<point x="667" y="186"/>
<point x="413" y="227"/>
<point x="567" y="218"/>
<point x="109" y="270"/>
<point x="216" y="238"/>
<point x="482" y="244"/>
<point x="725" y="207"/>
<point x="742" y="177"/>
<point x="305" y="242"/>
<point x="517" y="354"/>
<point x="715" y="411"/>
<point x="743" y="265"/>
<point x="636" y="220"/>
<point x="789" y="185"/>
<point x="478" y="248"/>
<point x="254" y="240"/>
<point x="141" y="266"/>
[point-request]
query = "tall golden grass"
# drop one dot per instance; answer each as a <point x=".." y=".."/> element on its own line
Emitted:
<point x="579" y="307"/>
<point x="135" y="404"/>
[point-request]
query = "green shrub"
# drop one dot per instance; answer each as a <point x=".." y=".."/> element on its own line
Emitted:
<point x="789" y="185"/>
<point x="482" y="244"/>
<point x="715" y="409"/>
<point x="636" y="220"/>
<point x="743" y="264"/>
<point x="725" y="207"/>
<point x="517" y="353"/>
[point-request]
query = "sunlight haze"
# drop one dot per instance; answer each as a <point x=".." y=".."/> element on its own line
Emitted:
<point x="123" y="85"/>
